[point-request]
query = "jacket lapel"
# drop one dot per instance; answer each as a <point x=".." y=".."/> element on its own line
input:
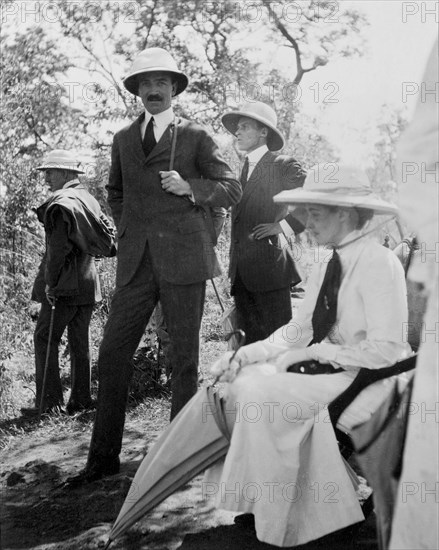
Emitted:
<point x="163" y="144"/>
<point x="136" y="138"/>
<point x="256" y="178"/>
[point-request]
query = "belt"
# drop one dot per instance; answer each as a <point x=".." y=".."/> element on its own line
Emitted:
<point x="313" y="367"/>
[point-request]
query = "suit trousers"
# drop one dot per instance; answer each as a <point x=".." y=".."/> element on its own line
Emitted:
<point x="77" y="320"/>
<point x="260" y="313"/>
<point x="131" y="307"/>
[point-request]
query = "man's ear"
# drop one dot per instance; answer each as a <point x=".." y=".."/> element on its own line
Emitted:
<point x="174" y="88"/>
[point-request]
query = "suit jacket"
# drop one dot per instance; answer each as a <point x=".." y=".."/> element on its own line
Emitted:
<point x="69" y="271"/>
<point x="177" y="230"/>
<point x="263" y="266"/>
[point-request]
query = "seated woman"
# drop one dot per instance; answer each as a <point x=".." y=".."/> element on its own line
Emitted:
<point x="283" y="464"/>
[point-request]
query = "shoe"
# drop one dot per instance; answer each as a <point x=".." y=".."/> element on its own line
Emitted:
<point x="104" y="467"/>
<point x="74" y="407"/>
<point x="245" y="521"/>
<point x="30" y="411"/>
<point x="53" y="410"/>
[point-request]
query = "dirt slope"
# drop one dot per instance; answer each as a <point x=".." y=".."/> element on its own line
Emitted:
<point x="40" y="513"/>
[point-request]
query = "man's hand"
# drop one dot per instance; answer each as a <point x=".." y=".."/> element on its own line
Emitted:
<point x="34" y="311"/>
<point x="51" y="298"/>
<point x="263" y="230"/>
<point x="172" y="182"/>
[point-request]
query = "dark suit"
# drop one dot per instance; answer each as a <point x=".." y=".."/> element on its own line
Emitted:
<point x="261" y="271"/>
<point x="165" y="252"/>
<point x="72" y="278"/>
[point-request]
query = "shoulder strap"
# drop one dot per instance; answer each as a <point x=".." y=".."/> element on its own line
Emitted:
<point x="173" y="143"/>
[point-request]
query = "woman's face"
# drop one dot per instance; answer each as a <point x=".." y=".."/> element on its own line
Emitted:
<point x="325" y="224"/>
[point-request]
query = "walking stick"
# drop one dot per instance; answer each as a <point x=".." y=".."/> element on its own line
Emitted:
<point x="217" y="295"/>
<point x="46" y="364"/>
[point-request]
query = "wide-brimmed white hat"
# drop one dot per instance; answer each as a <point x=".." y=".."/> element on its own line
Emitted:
<point x="152" y="60"/>
<point x="261" y="112"/>
<point x="331" y="184"/>
<point x="62" y="160"/>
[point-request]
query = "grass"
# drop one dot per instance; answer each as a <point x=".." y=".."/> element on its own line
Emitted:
<point x="148" y="392"/>
<point x="148" y="398"/>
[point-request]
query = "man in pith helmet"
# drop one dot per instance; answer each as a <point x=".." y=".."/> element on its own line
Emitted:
<point x="165" y="248"/>
<point x="261" y="269"/>
<point x="67" y="279"/>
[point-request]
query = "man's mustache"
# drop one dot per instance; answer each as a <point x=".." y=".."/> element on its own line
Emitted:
<point x="154" y="97"/>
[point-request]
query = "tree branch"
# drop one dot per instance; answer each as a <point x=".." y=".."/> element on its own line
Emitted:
<point x="293" y="42"/>
<point x="150" y="24"/>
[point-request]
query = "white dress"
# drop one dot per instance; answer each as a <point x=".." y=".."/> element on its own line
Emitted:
<point x="283" y="464"/>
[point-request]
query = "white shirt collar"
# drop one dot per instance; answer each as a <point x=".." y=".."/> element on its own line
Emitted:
<point x="352" y="236"/>
<point x="255" y="156"/>
<point x="161" y="120"/>
<point x="344" y="248"/>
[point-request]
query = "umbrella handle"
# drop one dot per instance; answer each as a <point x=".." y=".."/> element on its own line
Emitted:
<point x="241" y="340"/>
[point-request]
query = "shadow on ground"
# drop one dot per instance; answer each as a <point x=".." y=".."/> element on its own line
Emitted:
<point x="231" y="537"/>
<point x="45" y="514"/>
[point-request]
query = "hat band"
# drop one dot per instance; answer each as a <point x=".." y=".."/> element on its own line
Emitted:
<point x="358" y="192"/>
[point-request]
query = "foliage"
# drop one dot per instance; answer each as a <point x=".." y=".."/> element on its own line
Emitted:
<point x="382" y="171"/>
<point x="61" y="88"/>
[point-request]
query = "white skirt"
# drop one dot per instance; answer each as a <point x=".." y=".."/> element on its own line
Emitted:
<point x="283" y="464"/>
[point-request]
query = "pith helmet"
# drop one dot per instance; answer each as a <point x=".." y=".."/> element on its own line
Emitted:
<point x="61" y="159"/>
<point x="151" y="60"/>
<point x="261" y="112"/>
<point x="331" y="184"/>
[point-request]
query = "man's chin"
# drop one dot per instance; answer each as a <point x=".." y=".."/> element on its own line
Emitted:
<point x="154" y="107"/>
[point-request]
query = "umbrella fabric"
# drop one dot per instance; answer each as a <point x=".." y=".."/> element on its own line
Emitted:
<point x="379" y="445"/>
<point x="196" y="438"/>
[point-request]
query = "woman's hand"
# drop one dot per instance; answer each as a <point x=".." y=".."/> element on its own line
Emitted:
<point x="225" y="369"/>
<point x="288" y="358"/>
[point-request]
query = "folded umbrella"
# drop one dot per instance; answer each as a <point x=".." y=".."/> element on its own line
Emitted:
<point x="196" y="438"/>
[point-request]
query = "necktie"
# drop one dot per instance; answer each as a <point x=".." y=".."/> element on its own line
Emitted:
<point x="244" y="173"/>
<point x="325" y="311"/>
<point x="149" y="141"/>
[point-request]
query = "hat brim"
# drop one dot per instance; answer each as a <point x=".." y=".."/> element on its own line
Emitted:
<point x="294" y="197"/>
<point x="275" y="139"/>
<point x="131" y="84"/>
<point x="59" y="167"/>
